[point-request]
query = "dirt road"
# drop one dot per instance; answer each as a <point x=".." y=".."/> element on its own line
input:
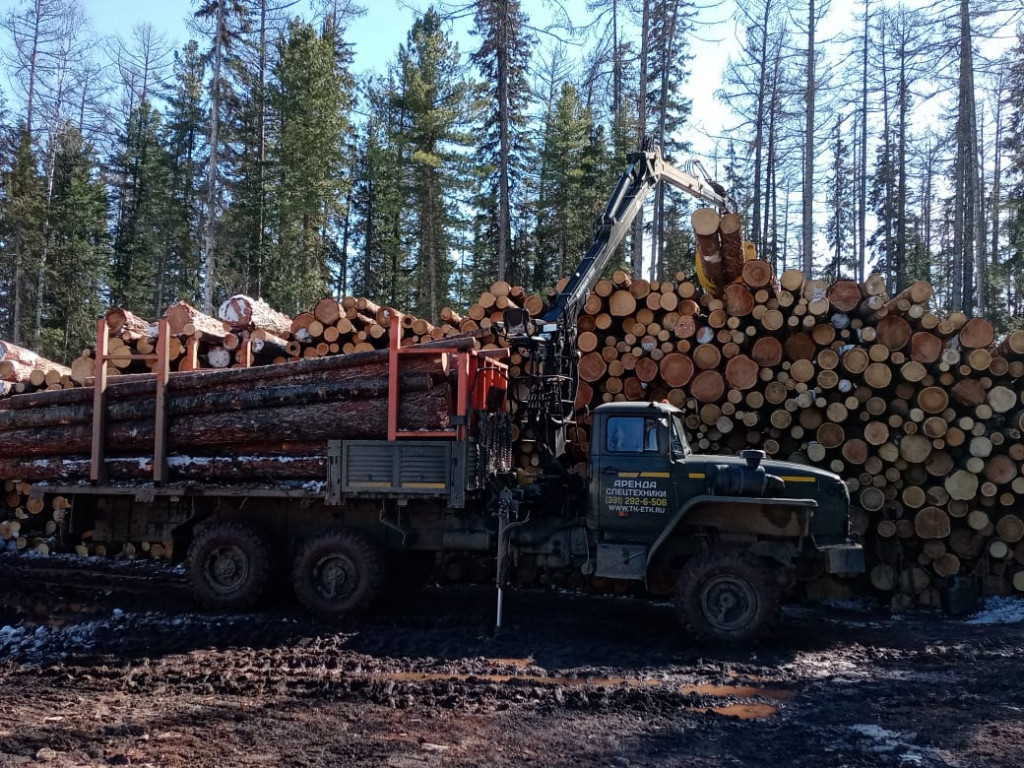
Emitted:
<point x="92" y="675"/>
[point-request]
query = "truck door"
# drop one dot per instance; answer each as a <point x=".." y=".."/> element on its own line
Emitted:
<point x="634" y="486"/>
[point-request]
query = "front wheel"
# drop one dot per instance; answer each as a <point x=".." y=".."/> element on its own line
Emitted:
<point x="338" y="573"/>
<point x="728" y="596"/>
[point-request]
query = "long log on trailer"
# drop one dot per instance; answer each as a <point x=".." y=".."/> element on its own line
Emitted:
<point x="372" y="382"/>
<point x="311" y="369"/>
<point x="262" y="468"/>
<point x="358" y="418"/>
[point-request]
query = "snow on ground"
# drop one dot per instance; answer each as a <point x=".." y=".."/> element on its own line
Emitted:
<point x="1000" y="610"/>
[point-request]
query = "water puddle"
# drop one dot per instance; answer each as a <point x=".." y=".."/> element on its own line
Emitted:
<point x="739" y="691"/>
<point x="741" y="711"/>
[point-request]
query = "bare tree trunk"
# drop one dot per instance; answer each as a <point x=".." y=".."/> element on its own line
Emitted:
<point x="808" y="185"/>
<point x="997" y="170"/>
<point x="638" y="223"/>
<point x="965" y="172"/>
<point x="759" y="127"/>
<point x="505" y="152"/>
<point x="211" y="176"/>
<point x="261" y="150"/>
<point x="902" y="94"/>
<point x="862" y="203"/>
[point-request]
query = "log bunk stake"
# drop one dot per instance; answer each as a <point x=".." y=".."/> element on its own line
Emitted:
<point x="161" y="360"/>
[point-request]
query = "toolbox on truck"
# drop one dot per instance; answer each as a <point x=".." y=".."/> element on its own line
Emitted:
<point x="398" y="469"/>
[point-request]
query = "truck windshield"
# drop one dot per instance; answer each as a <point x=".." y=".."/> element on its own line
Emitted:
<point x="679" y="445"/>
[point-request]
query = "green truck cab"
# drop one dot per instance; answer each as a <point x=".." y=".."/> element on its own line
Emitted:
<point x="726" y="533"/>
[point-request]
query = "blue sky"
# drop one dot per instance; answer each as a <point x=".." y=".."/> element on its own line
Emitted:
<point x="376" y="35"/>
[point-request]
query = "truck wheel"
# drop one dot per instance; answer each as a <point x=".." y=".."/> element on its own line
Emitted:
<point x="228" y="566"/>
<point x="338" y="573"/>
<point x="727" y="596"/>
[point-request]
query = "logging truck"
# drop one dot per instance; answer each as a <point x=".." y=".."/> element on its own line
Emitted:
<point x="345" y="474"/>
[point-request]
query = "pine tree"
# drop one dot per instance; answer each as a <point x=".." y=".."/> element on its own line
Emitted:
<point x="141" y="186"/>
<point x="840" y="198"/>
<point x="227" y="20"/>
<point x="378" y="202"/>
<point x="503" y="58"/>
<point x="1013" y="264"/>
<point x="563" y="221"/>
<point x="670" y="26"/>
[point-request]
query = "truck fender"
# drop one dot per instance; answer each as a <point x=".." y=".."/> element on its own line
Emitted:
<point x="772" y="517"/>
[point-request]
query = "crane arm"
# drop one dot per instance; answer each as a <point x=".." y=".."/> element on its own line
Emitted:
<point x="547" y="384"/>
<point x="645" y="170"/>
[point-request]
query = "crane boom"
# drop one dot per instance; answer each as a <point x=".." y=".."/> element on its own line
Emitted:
<point x="645" y="170"/>
<point x="548" y="380"/>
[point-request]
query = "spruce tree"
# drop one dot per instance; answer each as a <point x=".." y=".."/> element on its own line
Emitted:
<point x="434" y="100"/>
<point x="78" y="249"/>
<point x="563" y="221"/>
<point x="22" y="224"/>
<point x="311" y="101"/>
<point x="185" y="127"/>
<point x="141" y="186"/>
<point x="378" y="202"/>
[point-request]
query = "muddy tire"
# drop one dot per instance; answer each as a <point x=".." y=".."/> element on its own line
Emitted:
<point x="338" y="573"/>
<point x="727" y="596"/>
<point x="228" y="566"/>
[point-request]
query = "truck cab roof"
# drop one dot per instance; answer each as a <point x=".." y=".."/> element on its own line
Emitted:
<point x="636" y="407"/>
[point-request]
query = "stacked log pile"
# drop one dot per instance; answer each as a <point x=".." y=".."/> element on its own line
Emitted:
<point x="29" y="523"/>
<point x="23" y="371"/>
<point x="248" y="332"/>
<point x="921" y="414"/>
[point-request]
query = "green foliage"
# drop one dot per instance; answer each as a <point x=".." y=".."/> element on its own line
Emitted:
<point x="184" y="128"/>
<point x="141" y="187"/>
<point x="504" y="148"/>
<point x="378" y="203"/>
<point x="22" y="227"/>
<point x="434" y="104"/>
<point x="78" y="249"/>
<point x="311" y="98"/>
<point x="841" y="203"/>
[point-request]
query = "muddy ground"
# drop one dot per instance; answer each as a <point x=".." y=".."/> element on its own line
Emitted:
<point x="121" y="669"/>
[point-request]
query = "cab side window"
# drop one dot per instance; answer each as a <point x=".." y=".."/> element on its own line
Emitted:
<point x="631" y="434"/>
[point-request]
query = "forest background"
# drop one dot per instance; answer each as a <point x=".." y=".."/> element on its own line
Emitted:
<point x="137" y="169"/>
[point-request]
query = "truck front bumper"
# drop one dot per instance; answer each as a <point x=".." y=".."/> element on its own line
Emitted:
<point x="844" y="559"/>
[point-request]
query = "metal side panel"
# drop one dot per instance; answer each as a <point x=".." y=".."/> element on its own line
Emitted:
<point x="406" y="469"/>
<point x="622" y="561"/>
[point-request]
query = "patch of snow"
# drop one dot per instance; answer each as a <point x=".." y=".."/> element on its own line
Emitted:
<point x="228" y="311"/>
<point x="876" y="732"/>
<point x="1000" y="610"/>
